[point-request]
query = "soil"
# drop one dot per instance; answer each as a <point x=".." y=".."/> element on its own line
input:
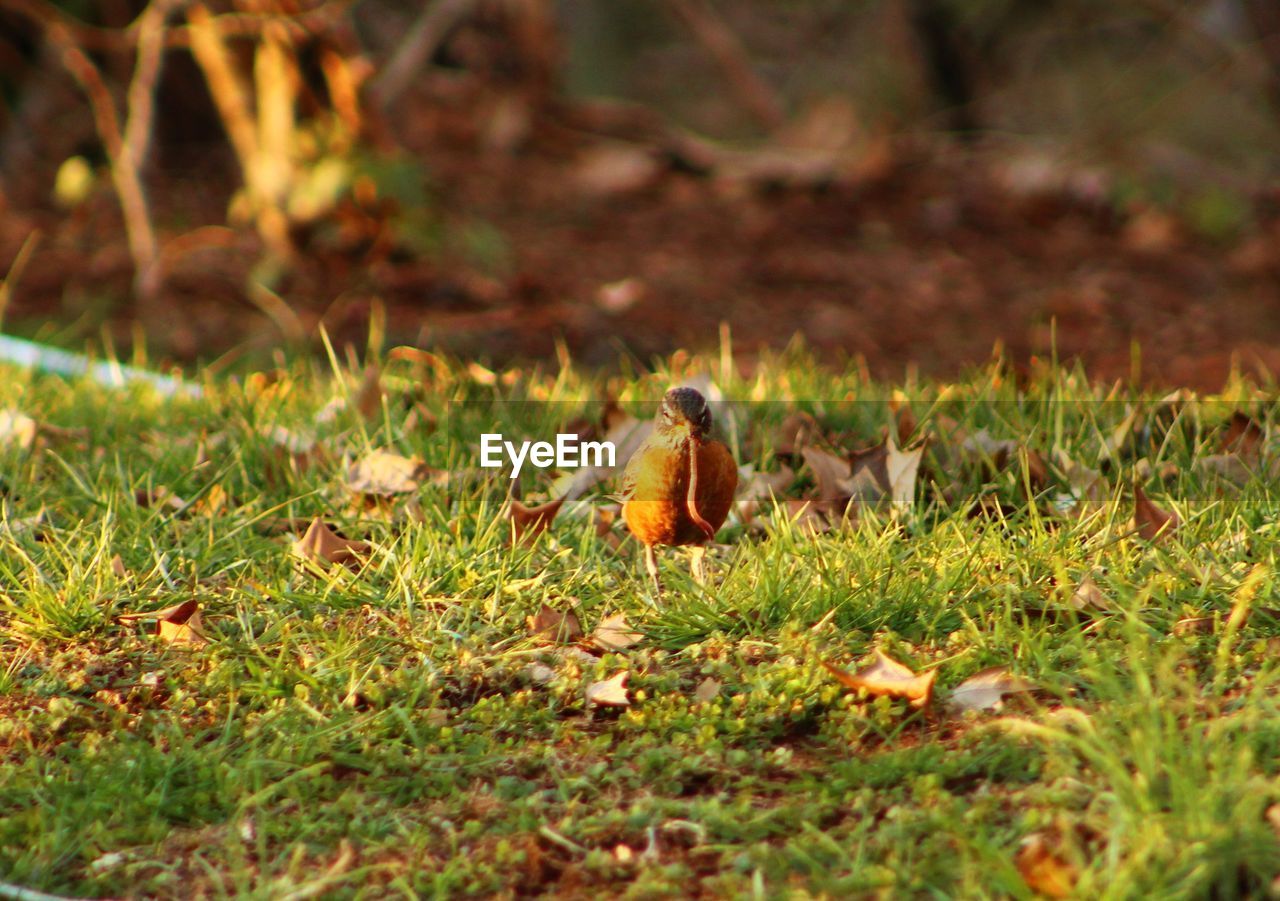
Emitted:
<point x="927" y="261"/>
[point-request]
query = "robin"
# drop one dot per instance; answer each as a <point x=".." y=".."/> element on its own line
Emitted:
<point x="679" y="484"/>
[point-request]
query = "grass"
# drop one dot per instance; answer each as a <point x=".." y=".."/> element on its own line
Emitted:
<point x="378" y="733"/>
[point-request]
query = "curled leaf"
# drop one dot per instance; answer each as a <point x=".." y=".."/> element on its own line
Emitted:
<point x="986" y="690"/>
<point x="382" y="473"/>
<point x="1043" y="869"/>
<point x="179" y="624"/>
<point x="17" y="429"/>
<point x="888" y="677"/>
<point x="614" y="634"/>
<point x="1150" y="521"/>
<point x="1089" y="596"/>
<point x="707" y="690"/>
<point x="527" y="523"/>
<point x="609" y="693"/>
<point x="322" y="543"/>
<point x="556" y="625"/>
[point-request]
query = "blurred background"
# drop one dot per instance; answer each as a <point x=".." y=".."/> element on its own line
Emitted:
<point x="906" y="184"/>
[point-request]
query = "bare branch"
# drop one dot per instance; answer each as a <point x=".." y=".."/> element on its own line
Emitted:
<point x="232" y="25"/>
<point x="419" y="45"/>
<point x="719" y="40"/>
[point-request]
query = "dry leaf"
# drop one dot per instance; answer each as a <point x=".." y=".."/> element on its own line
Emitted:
<point x="1193" y="625"/>
<point x="117" y="566"/>
<point x="481" y="375"/>
<point x="986" y="690"/>
<point x="708" y="689"/>
<point x="179" y="624"/>
<point x="368" y="399"/>
<point x="612" y="168"/>
<point x="527" y="523"/>
<point x="808" y="516"/>
<point x="757" y="489"/>
<point x="1088" y="486"/>
<point x="159" y="496"/>
<point x="1243" y="437"/>
<point x="603" y="521"/>
<point x="620" y="296"/>
<point x="539" y="673"/>
<point x="609" y="693"/>
<point x="1042" y="869"/>
<point x="1088" y="595"/>
<point x="382" y="473"/>
<point x="1231" y="467"/>
<point x="614" y="634"/>
<point x="1273" y="817"/>
<point x="903" y="466"/>
<point x="831" y="475"/>
<point x="556" y="625"/>
<point x="322" y="543"/>
<point x="888" y="677"/>
<point x="212" y="502"/>
<point x="1150" y="521"/>
<point x="17" y="429"/>
<point x="798" y="431"/>
<point x="294" y="451"/>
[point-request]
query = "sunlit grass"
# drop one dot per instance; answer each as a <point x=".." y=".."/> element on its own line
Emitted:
<point x="378" y="732"/>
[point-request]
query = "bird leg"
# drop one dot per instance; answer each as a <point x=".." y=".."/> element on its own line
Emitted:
<point x="651" y="566"/>
<point x="698" y="563"/>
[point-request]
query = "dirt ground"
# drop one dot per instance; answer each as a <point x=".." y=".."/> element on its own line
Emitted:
<point x="928" y="258"/>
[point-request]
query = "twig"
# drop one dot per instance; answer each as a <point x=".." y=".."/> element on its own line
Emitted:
<point x="94" y="37"/>
<point x="231" y="97"/>
<point x="124" y="159"/>
<point x="16" y="268"/>
<point x="727" y="51"/>
<point x="419" y="45"/>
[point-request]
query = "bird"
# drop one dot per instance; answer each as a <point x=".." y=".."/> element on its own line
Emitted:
<point x="679" y="484"/>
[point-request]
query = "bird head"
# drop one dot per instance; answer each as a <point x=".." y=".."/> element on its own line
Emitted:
<point x="685" y="407"/>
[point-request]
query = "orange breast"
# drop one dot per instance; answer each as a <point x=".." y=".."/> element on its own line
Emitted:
<point x="657" y="510"/>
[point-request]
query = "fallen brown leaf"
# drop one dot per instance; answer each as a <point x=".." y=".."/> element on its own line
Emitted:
<point x="999" y="455"/>
<point x="798" y="431"/>
<point x="17" y="429"/>
<point x="831" y="475"/>
<point x="610" y="693"/>
<point x="1243" y="437"/>
<point x="809" y="516"/>
<point x="293" y="451"/>
<point x="159" y="496"/>
<point x="527" y="523"/>
<point x="322" y="543"/>
<point x="986" y="690"/>
<point x="214" y="501"/>
<point x="888" y="677"/>
<point x="21" y="431"/>
<point x="1043" y="869"/>
<point x="614" y="634"/>
<point x="1089" y="596"/>
<point x="603" y="519"/>
<point x="382" y="473"/>
<point x="1150" y="521"/>
<point x="556" y="625"/>
<point x="179" y="624"/>
<point x="708" y="689"/>
<point x="1193" y="625"/>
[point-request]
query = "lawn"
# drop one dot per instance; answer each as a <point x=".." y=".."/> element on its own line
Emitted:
<point x="432" y="714"/>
